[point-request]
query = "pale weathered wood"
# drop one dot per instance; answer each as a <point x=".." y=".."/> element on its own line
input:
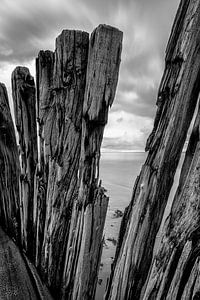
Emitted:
<point x="89" y="211"/>
<point x="23" y="91"/>
<point x="181" y="231"/>
<point x="44" y="83"/>
<point x="18" y="279"/>
<point x="9" y="170"/>
<point x="16" y="282"/>
<point x="61" y="200"/>
<point x="177" y="98"/>
<point x="60" y="105"/>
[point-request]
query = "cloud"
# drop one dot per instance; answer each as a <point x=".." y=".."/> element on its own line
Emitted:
<point x="29" y="26"/>
<point x="126" y="131"/>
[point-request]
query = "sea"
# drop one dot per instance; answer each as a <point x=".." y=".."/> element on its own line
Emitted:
<point x="118" y="171"/>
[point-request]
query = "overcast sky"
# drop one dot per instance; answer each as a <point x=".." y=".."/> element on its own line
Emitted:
<point x="27" y="26"/>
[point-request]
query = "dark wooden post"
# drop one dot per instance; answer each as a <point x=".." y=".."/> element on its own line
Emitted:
<point x="60" y="102"/>
<point x="174" y="273"/>
<point x="23" y="89"/>
<point x="44" y="83"/>
<point x="89" y="210"/>
<point x="9" y="170"/>
<point x="63" y="206"/>
<point x="177" y="99"/>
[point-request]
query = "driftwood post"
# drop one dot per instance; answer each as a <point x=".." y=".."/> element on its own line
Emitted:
<point x="23" y="88"/>
<point x="44" y="82"/>
<point x="176" y="102"/>
<point x="19" y="279"/>
<point x="61" y="117"/>
<point x="175" y="270"/>
<point x="63" y="207"/>
<point x="89" y="210"/>
<point x="10" y="170"/>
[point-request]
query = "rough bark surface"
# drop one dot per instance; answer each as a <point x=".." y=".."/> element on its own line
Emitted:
<point x="89" y="210"/>
<point x="23" y="88"/>
<point x="61" y="147"/>
<point x="18" y="279"/>
<point x="10" y="170"/>
<point x="60" y="126"/>
<point x="44" y="83"/>
<point x="175" y="268"/>
<point x="177" y="99"/>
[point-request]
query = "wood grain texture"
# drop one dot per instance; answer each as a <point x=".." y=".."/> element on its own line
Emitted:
<point x="174" y="271"/>
<point x="177" y="97"/>
<point x="60" y="117"/>
<point x="23" y="91"/>
<point x="89" y="210"/>
<point x="63" y="206"/>
<point x="10" y="170"/>
<point x="16" y="282"/>
<point x="44" y="83"/>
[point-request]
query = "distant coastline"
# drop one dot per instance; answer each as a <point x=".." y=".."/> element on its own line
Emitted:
<point x="108" y="150"/>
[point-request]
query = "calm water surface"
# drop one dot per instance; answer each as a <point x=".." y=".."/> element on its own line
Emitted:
<point x="118" y="172"/>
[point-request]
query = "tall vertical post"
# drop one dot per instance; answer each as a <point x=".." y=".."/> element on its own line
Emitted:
<point x="89" y="210"/>
<point x="9" y="171"/>
<point x="177" y="98"/>
<point x="23" y="90"/>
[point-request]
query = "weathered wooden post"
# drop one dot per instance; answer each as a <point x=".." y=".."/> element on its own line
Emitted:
<point x="44" y="83"/>
<point x="60" y="114"/>
<point x="177" y="99"/>
<point x="63" y="206"/>
<point x="89" y="210"/>
<point x="10" y="170"/>
<point x="174" y="273"/>
<point x="23" y="90"/>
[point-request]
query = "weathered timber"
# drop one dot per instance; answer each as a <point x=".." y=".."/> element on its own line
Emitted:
<point x="88" y="216"/>
<point x="44" y="83"/>
<point x="62" y="204"/>
<point x="23" y="91"/>
<point x="10" y="170"/>
<point x="177" y="97"/>
<point x="18" y="279"/>
<point x="175" y="268"/>
<point x="60" y="104"/>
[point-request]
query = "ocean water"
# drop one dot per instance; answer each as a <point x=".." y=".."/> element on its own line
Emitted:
<point x="118" y="171"/>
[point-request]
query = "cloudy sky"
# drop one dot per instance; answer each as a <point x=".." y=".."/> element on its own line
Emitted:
<point x="27" y="26"/>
